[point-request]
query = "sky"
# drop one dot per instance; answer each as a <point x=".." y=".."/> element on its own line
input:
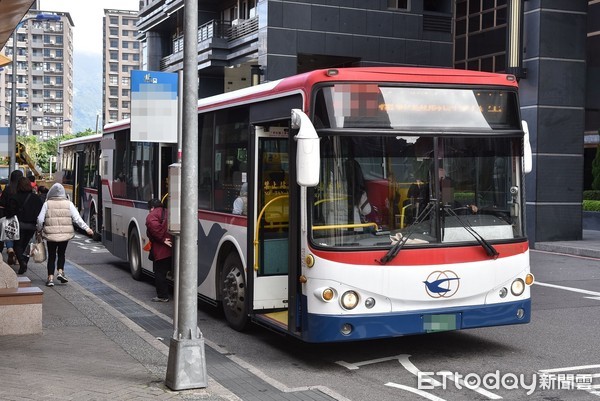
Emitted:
<point x="87" y="37"/>
<point x="87" y="18"/>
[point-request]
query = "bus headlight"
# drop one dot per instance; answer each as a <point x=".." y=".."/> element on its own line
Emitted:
<point x="529" y="279"/>
<point x="517" y="287"/>
<point x="325" y="294"/>
<point x="328" y="294"/>
<point x="349" y="300"/>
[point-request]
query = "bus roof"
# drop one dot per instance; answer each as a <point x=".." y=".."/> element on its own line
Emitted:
<point x="81" y="139"/>
<point x="303" y="82"/>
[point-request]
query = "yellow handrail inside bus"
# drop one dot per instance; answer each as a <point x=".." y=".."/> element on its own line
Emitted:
<point x="359" y="225"/>
<point x="162" y="200"/>
<point x="330" y="200"/>
<point x="257" y="225"/>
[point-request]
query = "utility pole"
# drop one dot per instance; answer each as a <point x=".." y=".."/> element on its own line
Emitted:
<point x="186" y="367"/>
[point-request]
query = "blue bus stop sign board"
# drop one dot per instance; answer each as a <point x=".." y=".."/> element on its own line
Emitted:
<point x="154" y="104"/>
<point x="4" y="140"/>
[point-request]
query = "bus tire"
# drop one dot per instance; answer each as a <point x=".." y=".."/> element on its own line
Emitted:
<point x="233" y="293"/>
<point x="135" y="256"/>
<point x="94" y="226"/>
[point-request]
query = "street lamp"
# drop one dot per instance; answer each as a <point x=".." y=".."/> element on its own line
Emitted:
<point x="12" y="145"/>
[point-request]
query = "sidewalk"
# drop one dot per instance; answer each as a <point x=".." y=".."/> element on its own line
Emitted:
<point x="100" y="344"/>
<point x="589" y="246"/>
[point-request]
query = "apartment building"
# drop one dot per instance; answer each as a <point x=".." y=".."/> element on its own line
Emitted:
<point x="121" y="54"/>
<point x="268" y="39"/>
<point x="44" y="77"/>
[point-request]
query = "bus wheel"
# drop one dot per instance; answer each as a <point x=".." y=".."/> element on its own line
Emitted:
<point x="135" y="256"/>
<point x="233" y="293"/>
<point x="94" y="226"/>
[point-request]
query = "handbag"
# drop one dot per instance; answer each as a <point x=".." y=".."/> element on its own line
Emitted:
<point x="38" y="250"/>
<point x="148" y="247"/>
<point x="9" y="228"/>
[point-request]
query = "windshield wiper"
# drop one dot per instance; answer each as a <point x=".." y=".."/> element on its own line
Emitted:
<point x="489" y="249"/>
<point x="394" y="250"/>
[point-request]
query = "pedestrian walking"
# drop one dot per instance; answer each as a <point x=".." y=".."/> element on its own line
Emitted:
<point x="9" y="189"/>
<point x="55" y="221"/>
<point x="161" y="251"/>
<point x="26" y="206"/>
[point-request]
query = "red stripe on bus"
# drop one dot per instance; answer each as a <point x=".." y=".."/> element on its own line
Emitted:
<point x="424" y="256"/>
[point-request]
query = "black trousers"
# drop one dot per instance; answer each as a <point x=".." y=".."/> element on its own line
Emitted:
<point x="56" y="249"/>
<point x="161" y="268"/>
<point x="20" y="246"/>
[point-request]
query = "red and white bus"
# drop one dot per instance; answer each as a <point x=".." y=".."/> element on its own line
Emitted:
<point x="77" y="169"/>
<point x="380" y="202"/>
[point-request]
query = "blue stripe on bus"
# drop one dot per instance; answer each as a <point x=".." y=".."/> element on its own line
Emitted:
<point x="326" y="328"/>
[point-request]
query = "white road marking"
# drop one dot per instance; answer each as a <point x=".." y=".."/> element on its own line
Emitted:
<point x="560" y="287"/>
<point x="411" y="368"/>
<point x="569" y="369"/>
<point x="357" y="365"/>
<point x="415" y="391"/>
<point x="408" y="365"/>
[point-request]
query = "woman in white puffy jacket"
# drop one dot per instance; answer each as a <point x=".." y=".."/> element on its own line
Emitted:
<point x="55" y="221"/>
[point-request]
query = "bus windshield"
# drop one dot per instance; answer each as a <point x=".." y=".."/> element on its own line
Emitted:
<point x="376" y="189"/>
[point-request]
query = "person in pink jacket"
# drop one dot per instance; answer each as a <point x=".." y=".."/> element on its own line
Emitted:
<point x="162" y="251"/>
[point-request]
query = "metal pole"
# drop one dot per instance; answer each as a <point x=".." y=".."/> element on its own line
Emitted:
<point x="177" y="238"/>
<point x="12" y="143"/>
<point x="186" y="368"/>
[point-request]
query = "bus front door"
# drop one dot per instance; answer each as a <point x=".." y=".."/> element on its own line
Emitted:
<point x="271" y="230"/>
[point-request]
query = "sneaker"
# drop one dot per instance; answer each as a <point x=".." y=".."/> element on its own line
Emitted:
<point x="62" y="278"/>
<point x="49" y="283"/>
<point x="158" y="299"/>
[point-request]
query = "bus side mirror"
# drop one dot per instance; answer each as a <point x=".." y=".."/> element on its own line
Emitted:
<point x="527" y="154"/>
<point x="308" y="161"/>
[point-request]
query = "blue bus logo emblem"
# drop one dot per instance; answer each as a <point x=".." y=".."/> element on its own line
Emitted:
<point x="442" y="284"/>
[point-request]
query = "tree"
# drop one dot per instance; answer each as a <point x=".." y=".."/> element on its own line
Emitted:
<point x="41" y="151"/>
<point x="596" y="170"/>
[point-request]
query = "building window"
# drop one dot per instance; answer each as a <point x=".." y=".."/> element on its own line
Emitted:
<point x="398" y="4"/>
<point x="113" y="80"/>
<point x="114" y="103"/>
<point x="125" y="57"/>
<point x="114" y="67"/>
<point x="125" y="68"/>
<point x="125" y="44"/>
<point x="114" y="31"/>
<point x="114" y="55"/>
<point x="125" y="92"/>
<point x="125" y="104"/>
<point x="114" y="43"/>
<point x="114" y="91"/>
<point x="114" y="20"/>
<point x="125" y="81"/>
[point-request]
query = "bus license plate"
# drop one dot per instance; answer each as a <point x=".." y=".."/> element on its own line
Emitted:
<point x="435" y="323"/>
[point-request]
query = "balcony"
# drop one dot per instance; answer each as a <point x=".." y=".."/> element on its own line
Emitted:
<point x="220" y="43"/>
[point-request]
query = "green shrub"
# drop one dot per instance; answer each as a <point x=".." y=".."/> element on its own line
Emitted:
<point x="591" y="205"/>
<point x="591" y="195"/>
<point x="467" y="197"/>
